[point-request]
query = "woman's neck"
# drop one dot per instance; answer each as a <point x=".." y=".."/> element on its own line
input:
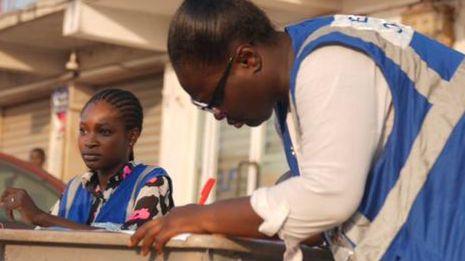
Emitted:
<point x="285" y="58"/>
<point x="104" y="175"/>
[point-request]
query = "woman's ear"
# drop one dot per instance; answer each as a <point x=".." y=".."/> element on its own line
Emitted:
<point x="133" y="135"/>
<point x="247" y="56"/>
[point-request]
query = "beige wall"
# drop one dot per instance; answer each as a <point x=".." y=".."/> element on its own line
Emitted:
<point x="25" y="127"/>
<point x="148" y="90"/>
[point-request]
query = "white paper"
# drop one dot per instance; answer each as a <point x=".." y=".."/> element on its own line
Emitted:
<point x="180" y="237"/>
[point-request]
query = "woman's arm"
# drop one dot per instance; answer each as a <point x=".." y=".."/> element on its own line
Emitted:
<point x="230" y="217"/>
<point x="19" y="199"/>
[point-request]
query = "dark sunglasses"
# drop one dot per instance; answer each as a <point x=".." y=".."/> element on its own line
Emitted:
<point x="218" y="93"/>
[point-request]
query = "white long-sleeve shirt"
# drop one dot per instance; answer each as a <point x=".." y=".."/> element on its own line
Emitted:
<point x="343" y="104"/>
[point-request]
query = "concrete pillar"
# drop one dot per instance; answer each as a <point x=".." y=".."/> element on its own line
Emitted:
<point x="59" y="102"/>
<point x="179" y="138"/>
<point x="64" y="159"/>
<point x="257" y="143"/>
<point x="72" y="162"/>
<point x="1" y="129"/>
<point x="209" y="154"/>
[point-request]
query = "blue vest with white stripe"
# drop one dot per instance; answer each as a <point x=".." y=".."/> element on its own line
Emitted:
<point x="413" y="206"/>
<point x="112" y="211"/>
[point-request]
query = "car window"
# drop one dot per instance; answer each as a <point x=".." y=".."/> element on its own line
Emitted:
<point x="43" y="194"/>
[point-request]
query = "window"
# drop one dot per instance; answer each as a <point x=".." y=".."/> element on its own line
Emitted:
<point x="273" y="163"/>
<point x="233" y="148"/>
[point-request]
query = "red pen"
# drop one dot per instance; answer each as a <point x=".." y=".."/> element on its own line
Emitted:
<point x="207" y="188"/>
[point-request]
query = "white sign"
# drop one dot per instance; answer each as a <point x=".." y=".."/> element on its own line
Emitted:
<point x="397" y="34"/>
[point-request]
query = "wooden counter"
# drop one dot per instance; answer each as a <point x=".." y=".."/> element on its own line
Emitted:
<point x="41" y="245"/>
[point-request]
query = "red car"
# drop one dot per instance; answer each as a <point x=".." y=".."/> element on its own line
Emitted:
<point x="44" y="188"/>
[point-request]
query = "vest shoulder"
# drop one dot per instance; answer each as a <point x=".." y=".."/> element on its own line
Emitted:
<point x="77" y="179"/>
<point x="153" y="170"/>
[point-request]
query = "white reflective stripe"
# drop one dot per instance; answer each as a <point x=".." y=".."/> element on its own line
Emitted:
<point x="71" y="193"/>
<point x="397" y="34"/>
<point x="437" y="127"/>
<point x="356" y="227"/>
<point x="340" y="242"/>
<point x="132" y="200"/>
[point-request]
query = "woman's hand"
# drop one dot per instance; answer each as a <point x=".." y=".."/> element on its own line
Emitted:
<point x="186" y="219"/>
<point x="233" y="217"/>
<point x="18" y="199"/>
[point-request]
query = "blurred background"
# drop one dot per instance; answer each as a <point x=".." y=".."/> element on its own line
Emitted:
<point x="55" y="54"/>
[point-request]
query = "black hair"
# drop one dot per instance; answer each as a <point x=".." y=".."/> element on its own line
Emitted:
<point x="202" y="31"/>
<point x="127" y="104"/>
<point x="40" y="151"/>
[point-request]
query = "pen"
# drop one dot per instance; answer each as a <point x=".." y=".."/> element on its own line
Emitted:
<point x="207" y="188"/>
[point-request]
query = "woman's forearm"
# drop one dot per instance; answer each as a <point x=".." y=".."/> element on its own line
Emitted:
<point x="237" y="217"/>
<point x="48" y="220"/>
<point x="232" y="217"/>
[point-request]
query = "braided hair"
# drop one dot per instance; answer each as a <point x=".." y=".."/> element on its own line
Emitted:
<point x="128" y="106"/>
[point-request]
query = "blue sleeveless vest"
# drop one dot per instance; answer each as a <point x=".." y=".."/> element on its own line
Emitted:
<point x="413" y="206"/>
<point x="76" y="202"/>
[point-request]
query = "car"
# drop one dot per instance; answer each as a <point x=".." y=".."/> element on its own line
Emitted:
<point x="43" y="188"/>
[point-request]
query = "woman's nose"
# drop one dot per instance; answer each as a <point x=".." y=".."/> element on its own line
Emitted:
<point x="91" y="144"/>
<point x="91" y="141"/>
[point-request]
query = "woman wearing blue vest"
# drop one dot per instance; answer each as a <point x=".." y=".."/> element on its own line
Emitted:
<point x="371" y="117"/>
<point x="115" y="190"/>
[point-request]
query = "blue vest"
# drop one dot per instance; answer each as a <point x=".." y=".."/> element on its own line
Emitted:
<point x="76" y="202"/>
<point x="412" y="206"/>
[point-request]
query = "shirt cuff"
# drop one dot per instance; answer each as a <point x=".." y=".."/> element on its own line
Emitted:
<point x="274" y="214"/>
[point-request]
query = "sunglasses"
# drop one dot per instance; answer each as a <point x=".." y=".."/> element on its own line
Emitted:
<point x="218" y="93"/>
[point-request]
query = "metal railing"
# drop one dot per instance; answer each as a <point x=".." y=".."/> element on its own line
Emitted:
<point x="234" y="182"/>
<point x="7" y="6"/>
<point x="243" y="171"/>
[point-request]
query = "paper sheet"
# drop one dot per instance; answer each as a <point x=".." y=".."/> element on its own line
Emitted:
<point x="180" y="237"/>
